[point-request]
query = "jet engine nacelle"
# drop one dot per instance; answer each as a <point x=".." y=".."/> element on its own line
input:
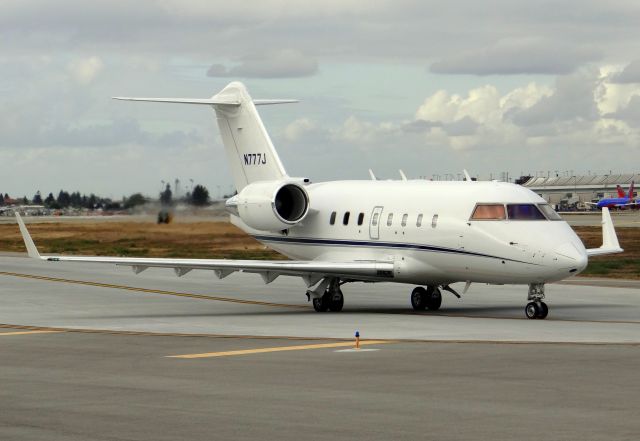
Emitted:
<point x="271" y="205"/>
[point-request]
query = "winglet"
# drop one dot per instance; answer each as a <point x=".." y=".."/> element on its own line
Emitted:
<point x="610" y="244"/>
<point x="373" y="177"/>
<point x="32" y="251"/>
<point x="402" y="175"/>
<point x="467" y="177"/>
<point x="609" y="237"/>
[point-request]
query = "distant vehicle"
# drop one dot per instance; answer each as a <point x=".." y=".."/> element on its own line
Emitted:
<point x="622" y="202"/>
<point x="426" y="233"/>
<point x="21" y="208"/>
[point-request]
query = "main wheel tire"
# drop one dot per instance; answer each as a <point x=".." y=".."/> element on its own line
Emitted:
<point x="532" y="311"/>
<point x="544" y="311"/>
<point x="336" y="301"/>
<point x="434" y="298"/>
<point x="419" y="298"/>
<point x="320" y="304"/>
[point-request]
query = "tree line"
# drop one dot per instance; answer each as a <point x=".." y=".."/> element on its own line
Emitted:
<point x="198" y="197"/>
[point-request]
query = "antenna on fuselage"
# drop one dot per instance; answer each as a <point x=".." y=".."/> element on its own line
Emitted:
<point x="402" y="175"/>
<point x="373" y="177"/>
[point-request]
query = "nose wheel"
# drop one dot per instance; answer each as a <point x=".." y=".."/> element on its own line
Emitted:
<point x="536" y="310"/>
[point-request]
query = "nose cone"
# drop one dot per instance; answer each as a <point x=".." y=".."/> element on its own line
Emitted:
<point x="571" y="257"/>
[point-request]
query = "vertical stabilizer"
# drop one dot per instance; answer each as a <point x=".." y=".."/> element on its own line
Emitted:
<point x="249" y="149"/>
<point x="248" y="146"/>
<point x="631" y="191"/>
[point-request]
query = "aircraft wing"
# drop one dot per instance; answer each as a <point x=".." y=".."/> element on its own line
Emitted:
<point x="311" y="271"/>
<point x="610" y="244"/>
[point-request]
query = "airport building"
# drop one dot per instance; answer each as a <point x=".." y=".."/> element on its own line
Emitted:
<point x="571" y="192"/>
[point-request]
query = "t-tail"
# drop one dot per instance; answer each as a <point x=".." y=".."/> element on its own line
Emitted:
<point x="249" y="149"/>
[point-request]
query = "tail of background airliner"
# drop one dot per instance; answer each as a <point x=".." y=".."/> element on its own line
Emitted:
<point x="249" y="149"/>
<point x="631" y="191"/>
<point x="620" y="191"/>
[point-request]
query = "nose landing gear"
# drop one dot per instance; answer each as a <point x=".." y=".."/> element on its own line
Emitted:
<point x="536" y="308"/>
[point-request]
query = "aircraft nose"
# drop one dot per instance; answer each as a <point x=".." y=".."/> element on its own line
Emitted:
<point x="571" y="256"/>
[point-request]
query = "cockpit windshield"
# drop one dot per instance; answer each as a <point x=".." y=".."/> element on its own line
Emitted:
<point x="549" y="212"/>
<point x="524" y="212"/>
<point x="486" y="212"/>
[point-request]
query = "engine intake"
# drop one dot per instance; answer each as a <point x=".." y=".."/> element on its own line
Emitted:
<point x="271" y="205"/>
<point x="291" y="203"/>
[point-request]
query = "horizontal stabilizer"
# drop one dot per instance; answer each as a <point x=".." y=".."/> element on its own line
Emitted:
<point x="206" y="101"/>
<point x="268" y="102"/>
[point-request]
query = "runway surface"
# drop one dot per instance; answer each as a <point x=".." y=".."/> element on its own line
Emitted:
<point x="96" y="352"/>
<point x="90" y="296"/>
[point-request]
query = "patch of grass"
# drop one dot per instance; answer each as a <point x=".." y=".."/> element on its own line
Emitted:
<point x="611" y="267"/>
<point x="68" y="245"/>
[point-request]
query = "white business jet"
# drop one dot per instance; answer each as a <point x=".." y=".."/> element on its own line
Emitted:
<point x="431" y="234"/>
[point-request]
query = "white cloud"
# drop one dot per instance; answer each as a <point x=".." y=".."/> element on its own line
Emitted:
<point x="297" y="129"/>
<point x="84" y="70"/>
<point x="567" y="116"/>
<point x="630" y="113"/>
<point x="630" y="74"/>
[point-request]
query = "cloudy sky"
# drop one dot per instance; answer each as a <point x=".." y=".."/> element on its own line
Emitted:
<point x="431" y="87"/>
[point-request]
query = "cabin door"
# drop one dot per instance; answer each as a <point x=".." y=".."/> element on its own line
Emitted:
<point x="374" y="223"/>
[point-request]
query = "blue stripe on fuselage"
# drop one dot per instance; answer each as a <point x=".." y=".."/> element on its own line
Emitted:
<point x="377" y="244"/>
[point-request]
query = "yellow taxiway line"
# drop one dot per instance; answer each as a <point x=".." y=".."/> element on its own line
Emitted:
<point x="153" y="291"/>
<point x="4" y="334"/>
<point x="279" y="349"/>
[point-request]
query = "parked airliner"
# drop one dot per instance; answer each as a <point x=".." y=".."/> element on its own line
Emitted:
<point x="622" y="201"/>
<point x="430" y="234"/>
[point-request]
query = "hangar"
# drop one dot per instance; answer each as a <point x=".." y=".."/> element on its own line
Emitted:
<point x="572" y="192"/>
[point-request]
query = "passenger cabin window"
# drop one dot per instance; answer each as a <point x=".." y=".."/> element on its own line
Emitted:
<point x="549" y="212"/>
<point x="360" y="218"/>
<point x="374" y="221"/>
<point x="332" y="219"/>
<point x="434" y="221"/>
<point x="345" y="219"/>
<point x="419" y="220"/>
<point x="390" y="219"/>
<point x="488" y="212"/>
<point x="524" y="212"/>
<point x="404" y="219"/>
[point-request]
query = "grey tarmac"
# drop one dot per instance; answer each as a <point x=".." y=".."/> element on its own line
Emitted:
<point x="475" y="370"/>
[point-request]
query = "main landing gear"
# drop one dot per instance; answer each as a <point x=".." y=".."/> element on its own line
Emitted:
<point x="331" y="300"/>
<point x="422" y="298"/>
<point x="536" y="308"/>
